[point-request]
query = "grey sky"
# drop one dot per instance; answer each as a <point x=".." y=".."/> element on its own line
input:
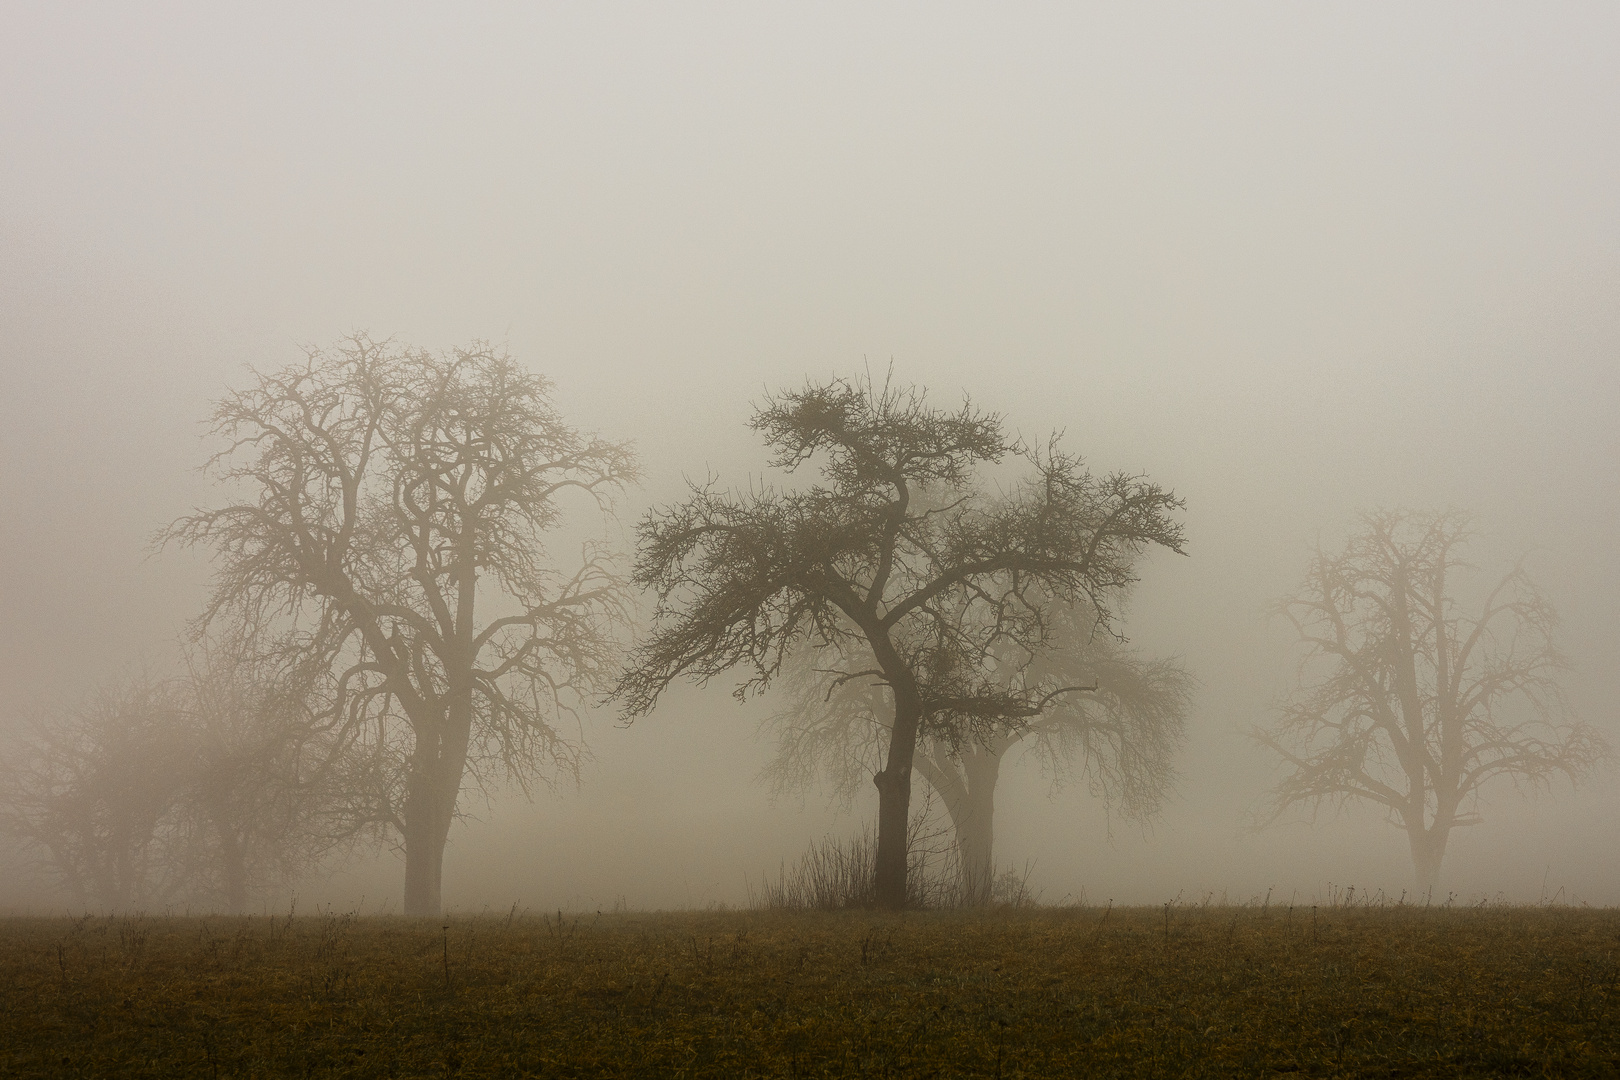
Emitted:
<point x="1292" y="260"/>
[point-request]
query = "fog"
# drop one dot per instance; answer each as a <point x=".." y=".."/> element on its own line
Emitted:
<point x="1292" y="261"/>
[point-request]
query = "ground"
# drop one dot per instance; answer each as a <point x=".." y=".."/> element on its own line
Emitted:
<point x="1200" y="990"/>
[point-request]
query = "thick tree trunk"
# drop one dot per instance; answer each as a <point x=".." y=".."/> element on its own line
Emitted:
<point x="967" y="784"/>
<point x="894" y="811"/>
<point x="430" y="804"/>
<point x="976" y="828"/>
<point x="424" y="860"/>
<point x="975" y="846"/>
<point x="426" y="831"/>
<point x="1428" y="849"/>
<point x="438" y="761"/>
<point x="894" y="782"/>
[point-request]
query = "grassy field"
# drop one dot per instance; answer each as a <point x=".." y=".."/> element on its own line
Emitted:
<point x="1176" y="991"/>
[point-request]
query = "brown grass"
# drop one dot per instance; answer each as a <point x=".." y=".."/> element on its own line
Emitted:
<point x="1173" y="991"/>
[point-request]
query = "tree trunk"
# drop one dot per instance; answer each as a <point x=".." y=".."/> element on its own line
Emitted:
<point x="425" y="837"/>
<point x="1428" y="848"/>
<point x="975" y="828"/>
<point x="894" y="782"/>
<point x="233" y="867"/>
<point x="430" y="803"/>
<point x="894" y="811"/>
<point x="975" y="846"/>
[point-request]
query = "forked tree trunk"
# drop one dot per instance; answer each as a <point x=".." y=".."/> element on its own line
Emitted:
<point x="437" y="764"/>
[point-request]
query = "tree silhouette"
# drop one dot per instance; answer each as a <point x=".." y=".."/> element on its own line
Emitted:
<point x="199" y="788"/>
<point x="899" y="539"/>
<point x="1409" y="703"/>
<point x="97" y="790"/>
<point x="392" y="497"/>
<point x="263" y="798"/>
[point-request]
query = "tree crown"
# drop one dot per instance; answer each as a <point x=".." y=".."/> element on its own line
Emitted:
<point x="897" y="539"/>
<point x="388" y="490"/>
<point x="1408" y="698"/>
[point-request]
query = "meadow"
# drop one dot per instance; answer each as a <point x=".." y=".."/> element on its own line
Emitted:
<point x="1352" y="989"/>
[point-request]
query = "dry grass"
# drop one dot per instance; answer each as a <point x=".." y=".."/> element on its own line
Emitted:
<point x="1176" y="991"/>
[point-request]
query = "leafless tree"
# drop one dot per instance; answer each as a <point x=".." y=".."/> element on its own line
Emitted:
<point x="258" y="803"/>
<point x="390" y="533"/>
<point x="199" y="789"/>
<point x="1119" y="737"/>
<point x="903" y="536"/>
<point x="95" y="792"/>
<point x="1410" y="703"/>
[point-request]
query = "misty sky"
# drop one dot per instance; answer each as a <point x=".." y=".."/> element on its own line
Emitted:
<point x="1290" y="260"/>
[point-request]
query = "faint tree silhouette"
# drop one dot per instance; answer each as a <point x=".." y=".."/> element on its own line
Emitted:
<point x="1410" y="703"/>
<point x="95" y="791"/>
<point x="264" y="795"/>
<point x="201" y="789"/>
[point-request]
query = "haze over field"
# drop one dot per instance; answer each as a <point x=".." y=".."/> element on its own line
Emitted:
<point x="1291" y="262"/>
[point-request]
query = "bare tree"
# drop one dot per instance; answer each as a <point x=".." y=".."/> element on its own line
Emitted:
<point x="95" y="792"/>
<point x="390" y="534"/>
<point x="901" y="538"/>
<point x="1119" y="737"/>
<point x="200" y="788"/>
<point x="1409" y="703"/>
<point x="258" y="803"/>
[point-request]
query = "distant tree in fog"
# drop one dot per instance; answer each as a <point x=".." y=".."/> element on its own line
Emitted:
<point x="198" y="789"/>
<point x="891" y="554"/>
<point x="1118" y="732"/>
<point x="95" y="792"/>
<point x="389" y="532"/>
<point x="1411" y="701"/>
<point x="261" y="800"/>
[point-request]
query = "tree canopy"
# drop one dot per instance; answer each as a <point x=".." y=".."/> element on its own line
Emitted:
<point x="1409" y="701"/>
<point x="903" y="535"/>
